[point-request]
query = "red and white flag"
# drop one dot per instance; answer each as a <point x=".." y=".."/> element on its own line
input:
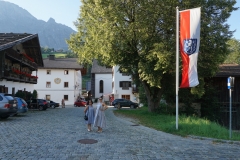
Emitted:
<point x="189" y="45"/>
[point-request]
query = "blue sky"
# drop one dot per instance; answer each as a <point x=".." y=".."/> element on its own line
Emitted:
<point x="67" y="11"/>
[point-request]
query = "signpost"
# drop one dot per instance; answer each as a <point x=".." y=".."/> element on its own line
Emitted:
<point x="230" y="85"/>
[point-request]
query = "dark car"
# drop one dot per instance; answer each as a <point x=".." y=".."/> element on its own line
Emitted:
<point x="124" y="103"/>
<point x="40" y="104"/>
<point x="22" y="105"/>
<point x="8" y="105"/>
<point x="53" y="104"/>
<point x="80" y="103"/>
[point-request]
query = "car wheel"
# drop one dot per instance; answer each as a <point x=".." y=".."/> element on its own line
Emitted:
<point x="115" y="106"/>
<point x="40" y="108"/>
<point x="53" y="106"/>
<point x="75" y="105"/>
<point x="132" y="106"/>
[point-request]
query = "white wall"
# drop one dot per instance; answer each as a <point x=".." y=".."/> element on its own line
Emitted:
<point x="57" y="91"/>
<point x="117" y="90"/>
<point x="18" y="86"/>
<point x="107" y="85"/>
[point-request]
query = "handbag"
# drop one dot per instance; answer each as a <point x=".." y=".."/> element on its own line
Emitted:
<point x="86" y="115"/>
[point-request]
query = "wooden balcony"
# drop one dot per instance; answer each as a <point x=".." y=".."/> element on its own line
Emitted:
<point x="21" y="59"/>
<point x="9" y="75"/>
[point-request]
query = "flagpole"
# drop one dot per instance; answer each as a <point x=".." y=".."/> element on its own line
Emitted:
<point x="177" y="63"/>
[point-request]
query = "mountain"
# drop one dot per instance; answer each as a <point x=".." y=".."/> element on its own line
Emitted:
<point x="18" y="20"/>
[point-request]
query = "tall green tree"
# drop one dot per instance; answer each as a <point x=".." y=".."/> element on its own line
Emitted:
<point x="139" y="36"/>
<point x="234" y="56"/>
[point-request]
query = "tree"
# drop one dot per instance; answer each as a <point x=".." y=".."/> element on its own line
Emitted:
<point x="234" y="56"/>
<point x="47" y="50"/>
<point x="34" y="95"/>
<point x="70" y="55"/>
<point x="19" y="94"/>
<point x="139" y="36"/>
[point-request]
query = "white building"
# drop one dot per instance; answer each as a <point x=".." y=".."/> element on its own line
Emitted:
<point x="109" y="82"/>
<point x="101" y="81"/>
<point x="60" y="78"/>
<point x="122" y="86"/>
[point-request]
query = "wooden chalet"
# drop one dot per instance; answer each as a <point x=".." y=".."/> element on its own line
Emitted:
<point x="20" y="55"/>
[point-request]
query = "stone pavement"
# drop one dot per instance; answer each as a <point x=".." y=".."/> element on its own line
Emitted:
<point x="53" y="135"/>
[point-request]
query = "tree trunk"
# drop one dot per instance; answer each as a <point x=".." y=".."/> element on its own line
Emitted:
<point x="154" y="95"/>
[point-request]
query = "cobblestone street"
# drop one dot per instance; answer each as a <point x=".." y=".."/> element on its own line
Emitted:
<point x="54" y="134"/>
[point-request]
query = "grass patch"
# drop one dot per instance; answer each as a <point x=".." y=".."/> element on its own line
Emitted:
<point x="57" y="55"/>
<point x="186" y="125"/>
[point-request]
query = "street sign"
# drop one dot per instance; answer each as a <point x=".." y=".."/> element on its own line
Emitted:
<point x="230" y="84"/>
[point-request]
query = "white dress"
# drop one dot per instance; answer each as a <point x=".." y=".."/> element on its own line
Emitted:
<point x="100" y="119"/>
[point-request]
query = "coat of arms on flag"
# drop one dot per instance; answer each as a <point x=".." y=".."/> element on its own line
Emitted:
<point x="190" y="46"/>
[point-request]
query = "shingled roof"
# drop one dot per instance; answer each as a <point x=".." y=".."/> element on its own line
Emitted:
<point x="30" y="43"/>
<point x="61" y="63"/>
<point x="96" y="68"/>
<point x="226" y="70"/>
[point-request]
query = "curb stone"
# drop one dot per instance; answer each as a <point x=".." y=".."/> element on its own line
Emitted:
<point x="215" y="140"/>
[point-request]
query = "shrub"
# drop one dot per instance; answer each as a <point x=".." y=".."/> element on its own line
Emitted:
<point x="34" y="95"/>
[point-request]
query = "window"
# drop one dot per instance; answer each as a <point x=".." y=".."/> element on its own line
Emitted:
<point x="134" y="88"/>
<point x="65" y="97"/>
<point x="126" y="97"/>
<point x="48" y="71"/>
<point x="6" y="89"/>
<point x="125" y="84"/>
<point x="65" y="84"/>
<point x="101" y="86"/>
<point x="48" y="97"/>
<point x="48" y="84"/>
<point x="13" y="91"/>
<point x="65" y="72"/>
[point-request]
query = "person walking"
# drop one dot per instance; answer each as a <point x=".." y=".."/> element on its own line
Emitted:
<point x="89" y="110"/>
<point x="100" y="119"/>
<point x="63" y="103"/>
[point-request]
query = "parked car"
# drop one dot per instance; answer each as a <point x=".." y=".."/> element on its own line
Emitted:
<point x="80" y="103"/>
<point x="8" y="105"/>
<point x="40" y="104"/>
<point x="124" y="103"/>
<point x="53" y="104"/>
<point x="22" y="105"/>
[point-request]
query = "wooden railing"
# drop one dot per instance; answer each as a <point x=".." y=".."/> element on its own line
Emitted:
<point x="13" y="76"/>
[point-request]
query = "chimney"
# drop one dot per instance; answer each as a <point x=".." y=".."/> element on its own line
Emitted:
<point x="51" y="57"/>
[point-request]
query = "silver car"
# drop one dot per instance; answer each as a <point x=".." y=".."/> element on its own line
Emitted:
<point x="8" y="105"/>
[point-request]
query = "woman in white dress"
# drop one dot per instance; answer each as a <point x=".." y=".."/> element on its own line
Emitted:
<point x="100" y="119"/>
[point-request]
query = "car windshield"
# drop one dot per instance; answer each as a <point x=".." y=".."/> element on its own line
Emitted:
<point x="9" y="97"/>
